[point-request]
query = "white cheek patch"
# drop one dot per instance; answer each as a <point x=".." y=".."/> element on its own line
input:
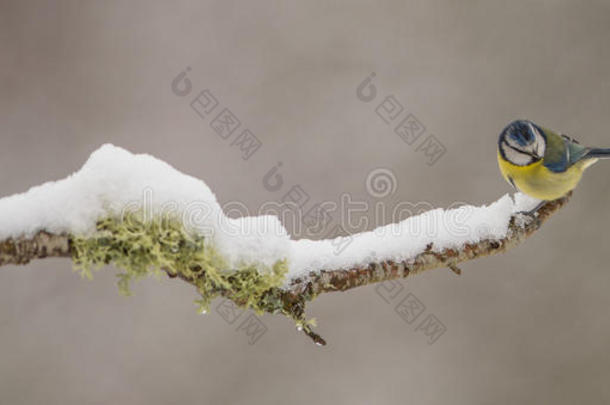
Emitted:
<point x="540" y="145"/>
<point x="516" y="157"/>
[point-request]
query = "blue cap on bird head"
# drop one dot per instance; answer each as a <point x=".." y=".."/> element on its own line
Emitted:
<point x="522" y="142"/>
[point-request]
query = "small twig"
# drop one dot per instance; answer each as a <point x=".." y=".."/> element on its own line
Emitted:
<point x="317" y="339"/>
<point x="455" y="269"/>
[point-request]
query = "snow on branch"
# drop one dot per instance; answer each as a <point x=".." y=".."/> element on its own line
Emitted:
<point x="141" y="215"/>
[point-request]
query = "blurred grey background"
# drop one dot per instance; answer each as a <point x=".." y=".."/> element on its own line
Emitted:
<point x="529" y="326"/>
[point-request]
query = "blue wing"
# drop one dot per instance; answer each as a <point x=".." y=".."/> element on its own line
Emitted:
<point x="562" y="152"/>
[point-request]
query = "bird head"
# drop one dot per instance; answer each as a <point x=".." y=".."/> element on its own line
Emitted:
<point x="522" y="143"/>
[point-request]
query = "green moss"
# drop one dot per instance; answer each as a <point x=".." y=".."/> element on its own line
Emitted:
<point x="149" y="247"/>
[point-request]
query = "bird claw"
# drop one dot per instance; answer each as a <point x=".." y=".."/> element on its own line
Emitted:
<point x="533" y="212"/>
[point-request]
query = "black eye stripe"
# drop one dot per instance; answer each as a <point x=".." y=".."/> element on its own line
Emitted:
<point x="522" y="158"/>
<point x="525" y="152"/>
<point x="528" y="153"/>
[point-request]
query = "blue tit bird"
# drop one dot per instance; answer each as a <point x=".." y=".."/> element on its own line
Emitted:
<point x="542" y="163"/>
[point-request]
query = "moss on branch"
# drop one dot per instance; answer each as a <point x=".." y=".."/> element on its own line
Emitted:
<point x="140" y="247"/>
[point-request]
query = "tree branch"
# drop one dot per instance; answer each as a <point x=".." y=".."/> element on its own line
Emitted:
<point x="300" y="291"/>
<point x="521" y="226"/>
<point x="43" y="244"/>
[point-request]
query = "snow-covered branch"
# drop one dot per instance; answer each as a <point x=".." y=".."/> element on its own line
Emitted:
<point x="141" y="215"/>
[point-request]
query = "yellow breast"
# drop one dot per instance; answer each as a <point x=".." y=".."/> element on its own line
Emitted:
<point x="539" y="182"/>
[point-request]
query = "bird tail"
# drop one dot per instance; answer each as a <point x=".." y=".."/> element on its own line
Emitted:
<point x="600" y="153"/>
